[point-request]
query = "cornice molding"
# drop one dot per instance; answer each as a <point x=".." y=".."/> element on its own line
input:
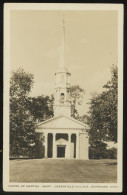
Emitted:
<point x="60" y="128"/>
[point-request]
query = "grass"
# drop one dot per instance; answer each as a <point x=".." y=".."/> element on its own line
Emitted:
<point x="63" y="171"/>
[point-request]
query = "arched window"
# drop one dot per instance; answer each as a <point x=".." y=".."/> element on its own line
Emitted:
<point x="62" y="96"/>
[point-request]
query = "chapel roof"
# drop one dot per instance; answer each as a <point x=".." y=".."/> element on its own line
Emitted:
<point x="61" y="122"/>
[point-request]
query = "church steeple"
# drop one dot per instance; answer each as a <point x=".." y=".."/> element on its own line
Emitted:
<point x="62" y="84"/>
<point x="62" y="56"/>
<point x="62" y="66"/>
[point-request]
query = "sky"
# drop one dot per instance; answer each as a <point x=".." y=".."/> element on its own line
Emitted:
<point x="90" y="47"/>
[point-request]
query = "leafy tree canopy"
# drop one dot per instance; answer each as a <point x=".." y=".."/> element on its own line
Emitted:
<point x="102" y="118"/>
<point x="23" y="139"/>
<point x="20" y="83"/>
<point x="41" y="107"/>
<point x="77" y="94"/>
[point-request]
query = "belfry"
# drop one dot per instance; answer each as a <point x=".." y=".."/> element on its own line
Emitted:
<point x="65" y="137"/>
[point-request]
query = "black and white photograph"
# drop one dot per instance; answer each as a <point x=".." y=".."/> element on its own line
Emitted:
<point x="63" y="82"/>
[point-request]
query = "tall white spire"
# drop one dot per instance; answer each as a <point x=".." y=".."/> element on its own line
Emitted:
<point x="62" y="56"/>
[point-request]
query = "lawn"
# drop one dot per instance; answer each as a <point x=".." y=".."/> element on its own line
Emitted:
<point x="63" y="171"/>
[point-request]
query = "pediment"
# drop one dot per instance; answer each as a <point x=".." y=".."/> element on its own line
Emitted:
<point x="61" y="141"/>
<point x="61" y="122"/>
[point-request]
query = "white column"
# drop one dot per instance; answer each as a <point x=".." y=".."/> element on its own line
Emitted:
<point x="54" y="145"/>
<point x="77" y="145"/>
<point x="69" y="145"/>
<point x="46" y="144"/>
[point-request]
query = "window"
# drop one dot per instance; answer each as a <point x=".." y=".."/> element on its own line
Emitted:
<point x="62" y="96"/>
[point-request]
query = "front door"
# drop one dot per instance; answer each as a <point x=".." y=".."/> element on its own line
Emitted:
<point x="60" y="151"/>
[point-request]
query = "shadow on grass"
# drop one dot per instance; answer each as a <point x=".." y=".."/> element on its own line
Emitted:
<point x="109" y="164"/>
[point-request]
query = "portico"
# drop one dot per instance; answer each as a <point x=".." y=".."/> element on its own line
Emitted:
<point x="70" y="141"/>
<point x="61" y="145"/>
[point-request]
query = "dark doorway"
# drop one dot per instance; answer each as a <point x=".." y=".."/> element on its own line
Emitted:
<point x="61" y="152"/>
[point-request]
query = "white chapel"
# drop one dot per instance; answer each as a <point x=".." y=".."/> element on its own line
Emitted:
<point x="65" y="137"/>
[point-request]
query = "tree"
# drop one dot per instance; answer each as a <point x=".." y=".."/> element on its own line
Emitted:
<point x="97" y="150"/>
<point x="112" y="153"/>
<point x="41" y="107"/>
<point x="21" y="123"/>
<point x="25" y="112"/>
<point x="112" y="104"/>
<point x="77" y="94"/>
<point x="102" y="118"/>
<point x="84" y="118"/>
